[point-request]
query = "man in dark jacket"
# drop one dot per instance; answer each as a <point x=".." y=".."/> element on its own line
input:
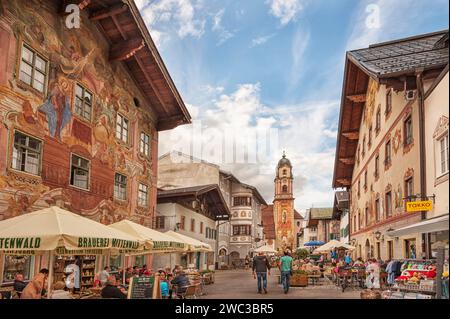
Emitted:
<point x="19" y="284"/>
<point x="111" y="290"/>
<point x="181" y="282"/>
<point x="261" y="267"/>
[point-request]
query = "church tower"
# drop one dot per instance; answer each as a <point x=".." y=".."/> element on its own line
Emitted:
<point x="283" y="206"/>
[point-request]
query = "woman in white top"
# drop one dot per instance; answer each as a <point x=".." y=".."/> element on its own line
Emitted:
<point x="373" y="274"/>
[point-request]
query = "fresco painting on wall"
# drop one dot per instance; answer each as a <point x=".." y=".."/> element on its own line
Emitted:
<point x="74" y="56"/>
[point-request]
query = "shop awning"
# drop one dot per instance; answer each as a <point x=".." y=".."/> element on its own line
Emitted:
<point x="265" y="249"/>
<point x="435" y="224"/>
<point x="333" y="244"/>
<point x="161" y="242"/>
<point x="193" y="244"/>
<point x="56" y="229"/>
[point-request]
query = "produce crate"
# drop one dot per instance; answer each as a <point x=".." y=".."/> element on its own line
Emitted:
<point x="428" y="285"/>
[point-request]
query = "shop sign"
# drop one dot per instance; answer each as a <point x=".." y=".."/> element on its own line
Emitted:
<point x="20" y="243"/>
<point x="419" y="206"/>
<point x="62" y="251"/>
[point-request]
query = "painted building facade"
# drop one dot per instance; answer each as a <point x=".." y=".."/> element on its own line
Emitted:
<point x="81" y="109"/>
<point x="380" y="156"/>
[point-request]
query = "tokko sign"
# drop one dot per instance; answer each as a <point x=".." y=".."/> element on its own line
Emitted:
<point x="418" y="206"/>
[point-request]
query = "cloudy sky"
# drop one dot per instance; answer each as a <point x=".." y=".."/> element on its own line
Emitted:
<point x="269" y="73"/>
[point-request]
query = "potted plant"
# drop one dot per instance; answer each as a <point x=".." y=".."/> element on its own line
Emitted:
<point x="299" y="278"/>
<point x="207" y="276"/>
<point x="302" y="253"/>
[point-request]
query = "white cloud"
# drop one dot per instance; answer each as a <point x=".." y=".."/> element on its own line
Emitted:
<point x="300" y="43"/>
<point x="223" y="34"/>
<point x="164" y="17"/>
<point x="261" y="40"/>
<point x="302" y="131"/>
<point x="217" y="19"/>
<point x="285" y="10"/>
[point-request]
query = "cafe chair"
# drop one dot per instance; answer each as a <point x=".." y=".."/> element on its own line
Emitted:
<point x="188" y="293"/>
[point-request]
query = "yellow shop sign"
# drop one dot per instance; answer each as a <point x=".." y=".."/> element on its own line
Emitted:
<point x="418" y="206"/>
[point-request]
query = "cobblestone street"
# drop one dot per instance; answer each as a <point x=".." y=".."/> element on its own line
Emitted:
<point x="239" y="284"/>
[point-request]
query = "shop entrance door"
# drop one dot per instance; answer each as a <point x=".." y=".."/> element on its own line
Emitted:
<point x="410" y="248"/>
<point x="378" y="250"/>
<point x="367" y="250"/>
<point x="197" y="261"/>
<point x="390" y="250"/>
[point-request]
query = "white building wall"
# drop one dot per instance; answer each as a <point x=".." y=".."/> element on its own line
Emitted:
<point x="436" y="127"/>
<point x="173" y="213"/>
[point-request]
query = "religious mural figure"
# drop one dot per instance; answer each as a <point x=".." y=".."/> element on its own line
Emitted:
<point x="398" y="197"/>
<point x="57" y="108"/>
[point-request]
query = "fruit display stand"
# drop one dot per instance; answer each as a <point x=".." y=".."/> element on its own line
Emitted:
<point x="417" y="281"/>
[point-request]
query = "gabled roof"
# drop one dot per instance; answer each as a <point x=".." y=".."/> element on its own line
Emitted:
<point x="131" y="44"/>
<point x="268" y="221"/>
<point x="212" y="193"/>
<point x="297" y="215"/>
<point x="391" y="63"/>
<point x="313" y="223"/>
<point x="321" y="213"/>
<point x="402" y="56"/>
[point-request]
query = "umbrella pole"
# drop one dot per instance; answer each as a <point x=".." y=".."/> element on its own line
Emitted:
<point x="123" y="269"/>
<point x="50" y="272"/>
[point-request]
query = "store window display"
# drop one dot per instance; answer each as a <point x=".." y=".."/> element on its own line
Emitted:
<point x="17" y="265"/>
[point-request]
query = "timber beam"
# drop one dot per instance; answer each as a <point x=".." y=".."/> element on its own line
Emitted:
<point x="347" y="160"/>
<point x="125" y="50"/>
<point x="351" y="135"/>
<point x="108" y="12"/>
<point x="357" y="98"/>
<point x="344" y="181"/>
<point x="169" y="123"/>
<point x="152" y="84"/>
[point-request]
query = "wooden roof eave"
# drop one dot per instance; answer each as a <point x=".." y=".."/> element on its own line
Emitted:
<point x="350" y="60"/>
<point x="151" y="45"/>
<point x="338" y="144"/>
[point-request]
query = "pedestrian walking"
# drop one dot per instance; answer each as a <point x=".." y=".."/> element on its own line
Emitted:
<point x="247" y="261"/>
<point x="348" y="259"/>
<point x="285" y="265"/>
<point x="261" y="267"/>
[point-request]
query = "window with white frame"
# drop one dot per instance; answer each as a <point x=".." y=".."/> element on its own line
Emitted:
<point x="120" y="186"/>
<point x="27" y="153"/>
<point x="443" y="154"/>
<point x="33" y="69"/>
<point x="143" y="195"/>
<point x="83" y="102"/>
<point x="144" y="144"/>
<point x="79" y="172"/>
<point x="122" y="128"/>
